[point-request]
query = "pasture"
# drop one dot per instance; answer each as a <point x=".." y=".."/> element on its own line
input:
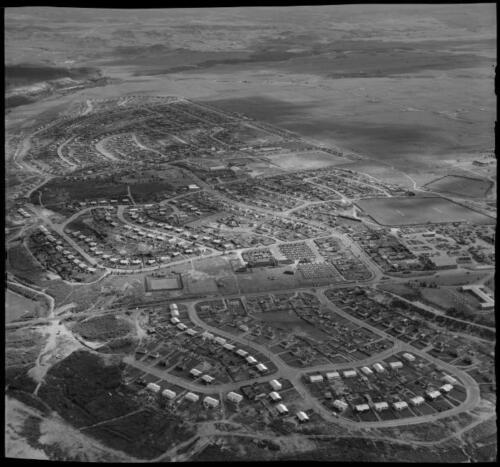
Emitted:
<point x="419" y="210"/>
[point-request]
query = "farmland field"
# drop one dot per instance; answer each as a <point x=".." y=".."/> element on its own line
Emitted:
<point x="463" y="186"/>
<point x="416" y="210"/>
<point x="306" y="160"/>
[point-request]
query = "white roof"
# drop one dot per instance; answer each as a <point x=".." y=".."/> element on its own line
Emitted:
<point x="446" y="387"/>
<point x="191" y="396"/>
<point x="275" y="384"/>
<point x="168" y="393"/>
<point x="366" y="370"/>
<point x="302" y="416"/>
<point x="378" y="367"/>
<point x="261" y="367"/>
<point x="210" y="401"/>
<point x="175" y="320"/>
<point x="381" y="405"/>
<point x="362" y="407"/>
<point x="195" y="372"/>
<point x="274" y="396"/>
<point x="153" y="387"/>
<point x="433" y="394"/>
<point x="315" y="378"/>
<point x="408" y="356"/>
<point x="234" y="396"/>
<point x="348" y="373"/>
<point x="332" y="375"/>
<point x="417" y="400"/>
<point x="340" y="404"/>
<point x="396" y="364"/>
<point x="449" y="379"/>
<point x="282" y="408"/>
<point x="250" y="359"/>
<point x="400" y="405"/>
<point x="242" y="352"/>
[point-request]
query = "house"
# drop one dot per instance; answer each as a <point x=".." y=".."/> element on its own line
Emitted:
<point x="251" y="360"/>
<point x="181" y="326"/>
<point x="378" y="367"/>
<point x="174" y="313"/>
<point x="379" y="406"/>
<point x="207" y="379"/>
<point x="417" y="400"/>
<point x="191" y="332"/>
<point x="220" y="340"/>
<point x="302" y="416"/>
<point x="234" y="397"/>
<point x="210" y="402"/>
<point x="349" y="373"/>
<point x="153" y="387"/>
<point x="275" y="384"/>
<point x="192" y="397"/>
<point x="261" y="367"/>
<point x="340" y="405"/>
<point x="195" y="372"/>
<point x="275" y="396"/>
<point x="409" y="357"/>
<point x="315" y="378"/>
<point x="400" y="405"/>
<point x="396" y="365"/>
<point x="367" y="371"/>
<point x="362" y="408"/>
<point x="282" y="409"/>
<point x="242" y="353"/>
<point x="175" y="320"/>
<point x="449" y="379"/>
<point x="168" y="394"/>
<point x="446" y="388"/>
<point x="229" y="346"/>
<point x="332" y="375"/>
<point x="432" y="394"/>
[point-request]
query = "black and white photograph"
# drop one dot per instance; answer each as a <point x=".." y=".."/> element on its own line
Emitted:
<point x="250" y="233"/>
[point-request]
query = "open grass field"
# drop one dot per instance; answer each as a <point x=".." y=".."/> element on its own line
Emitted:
<point x="16" y="306"/>
<point x="419" y="210"/>
<point x="461" y="186"/>
<point x="306" y="160"/>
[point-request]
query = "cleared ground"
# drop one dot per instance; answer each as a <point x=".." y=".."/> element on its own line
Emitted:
<point x="16" y="306"/>
<point x="419" y="210"/>
<point x="462" y="186"/>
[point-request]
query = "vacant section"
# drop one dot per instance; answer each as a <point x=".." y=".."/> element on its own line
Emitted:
<point x="463" y="186"/>
<point x="420" y="210"/>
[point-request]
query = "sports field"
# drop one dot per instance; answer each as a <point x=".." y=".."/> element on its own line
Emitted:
<point x="419" y="210"/>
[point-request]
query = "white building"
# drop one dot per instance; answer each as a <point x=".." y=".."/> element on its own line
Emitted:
<point x="275" y="384"/>
<point x="449" y="379"/>
<point x="181" y="326"/>
<point x="174" y="313"/>
<point x="332" y="375"/>
<point x="192" y="397"/>
<point x="379" y="406"/>
<point x="274" y="396"/>
<point x="195" y="372"/>
<point x="282" y="409"/>
<point x="207" y="379"/>
<point x="367" y="371"/>
<point x="234" y="397"/>
<point x="220" y="340"/>
<point x="242" y="353"/>
<point x="340" y="405"/>
<point x="362" y="408"/>
<point x="175" y="320"/>
<point x="315" y="378"/>
<point x="229" y="346"/>
<point x="409" y="357"/>
<point x="446" y="388"/>
<point x="168" y="394"/>
<point x="210" y="402"/>
<point x="417" y="400"/>
<point x="349" y="373"/>
<point x="378" y="367"/>
<point x="261" y="367"/>
<point x="433" y="394"/>
<point x="302" y="416"/>
<point x="400" y="405"/>
<point x="396" y="365"/>
<point x="251" y="360"/>
<point x="191" y="332"/>
<point x="153" y="387"/>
